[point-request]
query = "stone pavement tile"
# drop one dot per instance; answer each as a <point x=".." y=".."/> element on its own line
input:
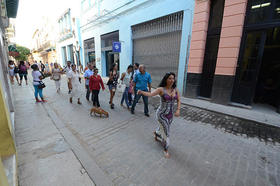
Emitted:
<point x="251" y="177"/>
<point x="44" y="158"/>
<point x="58" y="169"/>
<point x="201" y="153"/>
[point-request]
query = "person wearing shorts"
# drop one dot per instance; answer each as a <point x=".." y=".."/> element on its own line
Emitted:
<point x="112" y="83"/>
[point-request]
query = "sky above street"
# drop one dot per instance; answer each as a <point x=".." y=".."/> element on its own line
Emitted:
<point x="30" y="13"/>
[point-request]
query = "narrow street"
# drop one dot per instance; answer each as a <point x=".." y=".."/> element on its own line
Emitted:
<point x="59" y="143"/>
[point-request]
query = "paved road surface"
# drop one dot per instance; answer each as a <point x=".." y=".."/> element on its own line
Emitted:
<point x="59" y="143"/>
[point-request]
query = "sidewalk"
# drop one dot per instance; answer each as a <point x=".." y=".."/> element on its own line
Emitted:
<point x="44" y="157"/>
<point x="60" y="144"/>
<point x="259" y="114"/>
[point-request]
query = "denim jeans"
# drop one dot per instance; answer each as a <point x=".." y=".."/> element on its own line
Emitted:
<point x="88" y="93"/>
<point x="145" y="100"/>
<point x="125" y="97"/>
<point x="95" y="98"/>
<point x="38" y="91"/>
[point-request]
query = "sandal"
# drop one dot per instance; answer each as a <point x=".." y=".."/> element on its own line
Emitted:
<point x="155" y="135"/>
<point x="166" y="154"/>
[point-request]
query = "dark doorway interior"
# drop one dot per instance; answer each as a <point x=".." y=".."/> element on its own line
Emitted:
<point x="268" y="85"/>
<point x="106" y="47"/>
<point x="111" y="58"/>
<point x="91" y="57"/>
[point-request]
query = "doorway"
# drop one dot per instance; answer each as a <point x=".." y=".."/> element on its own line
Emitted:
<point x="111" y="58"/>
<point x="268" y="84"/>
<point x="107" y="52"/>
<point x="258" y="73"/>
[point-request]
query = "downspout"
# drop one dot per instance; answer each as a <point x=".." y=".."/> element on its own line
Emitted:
<point x="187" y="57"/>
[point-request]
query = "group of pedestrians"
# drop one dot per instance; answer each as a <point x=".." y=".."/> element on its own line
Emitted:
<point x="137" y="84"/>
<point x="15" y="70"/>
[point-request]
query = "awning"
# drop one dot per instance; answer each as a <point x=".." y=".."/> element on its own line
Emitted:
<point x="12" y="48"/>
<point x="12" y="7"/>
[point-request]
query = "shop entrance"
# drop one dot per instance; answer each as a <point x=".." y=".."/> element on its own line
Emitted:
<point x="111" y="58"/>
<point x="108" y="56"/>
<point x="258" y="73"/>
<point x="268" y="83"/>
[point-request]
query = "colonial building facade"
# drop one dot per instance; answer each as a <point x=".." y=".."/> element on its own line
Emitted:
<point x="68" y="44"/>
<point x="154" y="33"/>
<point x="234" y="54"/>
<point x="44" y="42"/>
<point x="8" y="163"/>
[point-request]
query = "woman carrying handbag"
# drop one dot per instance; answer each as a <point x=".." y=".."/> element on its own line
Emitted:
<point x="37" y="83"/>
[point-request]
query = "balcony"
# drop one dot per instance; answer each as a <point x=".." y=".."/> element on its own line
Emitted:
<point x="45" y="46"/>
<point x="65" y="34"/>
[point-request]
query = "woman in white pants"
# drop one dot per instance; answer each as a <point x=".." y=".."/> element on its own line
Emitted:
<point x="56" y="76"/>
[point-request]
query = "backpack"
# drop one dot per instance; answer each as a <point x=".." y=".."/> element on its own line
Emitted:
<point x="23" y="68"/>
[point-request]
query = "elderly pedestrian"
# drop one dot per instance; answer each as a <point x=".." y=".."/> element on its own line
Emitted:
<point x="88" y="73"/>
<point x="169" y="94"/>
<point x="142" y="81"/>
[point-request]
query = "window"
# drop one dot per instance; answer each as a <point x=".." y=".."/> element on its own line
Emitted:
<point x="84" y="5"/>
<point x="276" y="14"/>
<point x="92" y="3"/>
<point x="263" y="11"/>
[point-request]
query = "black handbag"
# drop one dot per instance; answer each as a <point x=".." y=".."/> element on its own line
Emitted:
<point x="16" y="70"/>
<point x="41" y="85"/>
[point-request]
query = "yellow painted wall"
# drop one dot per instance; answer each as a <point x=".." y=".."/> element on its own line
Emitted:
<point x="7" y="145"/>
<point x="52" y="57"/>
<point x="3" y="177"/>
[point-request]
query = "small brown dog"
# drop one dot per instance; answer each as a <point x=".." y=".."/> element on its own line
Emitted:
<point x="99" y="111"/>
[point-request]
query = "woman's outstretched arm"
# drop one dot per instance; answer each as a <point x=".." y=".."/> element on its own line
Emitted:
<point x="158" y="91"/>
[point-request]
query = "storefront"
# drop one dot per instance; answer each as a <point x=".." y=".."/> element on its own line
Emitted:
<point x="156" y="44"/>
<point x="108" y="55"/>
<point x="158" y="39"/>
<point x="257" y="77"/>
<point x="234" y="56"/>
<point x="89" y="48"/>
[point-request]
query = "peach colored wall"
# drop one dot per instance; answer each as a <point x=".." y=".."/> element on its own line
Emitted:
<point x="199" y="34"/>
<point x="232" y="27"/>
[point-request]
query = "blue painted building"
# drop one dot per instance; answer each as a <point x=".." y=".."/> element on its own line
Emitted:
<point x="68" y="45"/>
<point x="155" y="33"/>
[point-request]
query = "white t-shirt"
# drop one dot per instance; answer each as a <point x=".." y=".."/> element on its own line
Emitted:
<point x="126" y="79"/>
<point x="67" y="70"/>
<point x="74" y="78"/>
<point x="36" y="74"/>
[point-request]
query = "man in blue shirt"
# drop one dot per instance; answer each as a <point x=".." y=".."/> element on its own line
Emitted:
<point x="142" y="81"/>
<point x="87" y="75"/>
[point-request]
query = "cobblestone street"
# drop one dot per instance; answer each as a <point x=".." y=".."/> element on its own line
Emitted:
<point x="206" y="148"/>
